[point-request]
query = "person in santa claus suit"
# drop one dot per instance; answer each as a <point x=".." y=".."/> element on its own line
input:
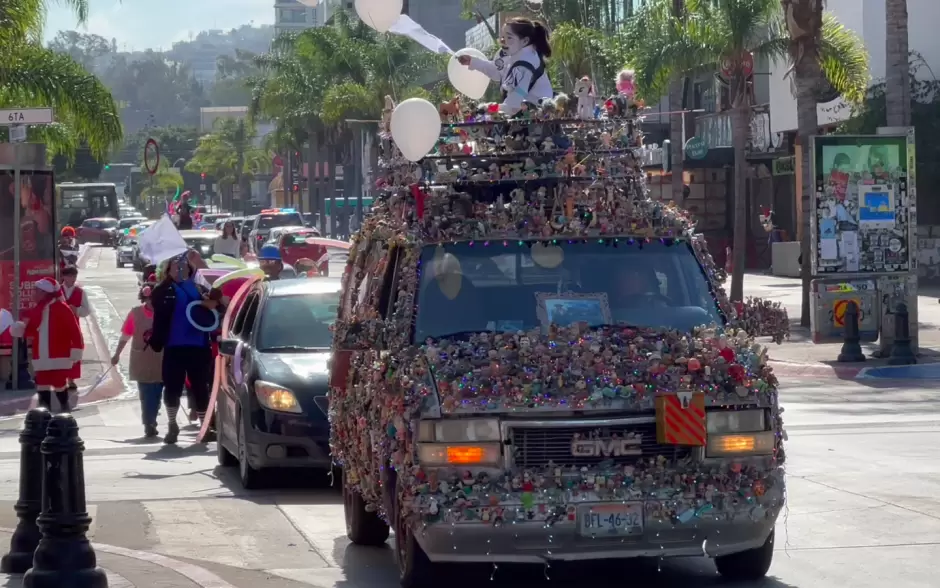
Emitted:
<point x="78" y="301"/>
<point x="57" y="342"/>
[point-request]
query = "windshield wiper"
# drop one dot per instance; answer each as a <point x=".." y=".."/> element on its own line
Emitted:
<point x="459" y="334"/>
<point x="278" y="348"/>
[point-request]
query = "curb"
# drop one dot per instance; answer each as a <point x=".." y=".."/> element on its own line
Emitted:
<point x="199" y="576"/>
<point x="83" y="250"/>
<point x="793" y="369"/>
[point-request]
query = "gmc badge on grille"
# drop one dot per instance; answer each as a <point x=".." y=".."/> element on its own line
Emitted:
<point x="606" y="447"/>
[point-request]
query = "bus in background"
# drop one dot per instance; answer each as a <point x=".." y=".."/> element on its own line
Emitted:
<point x="76" y="203"/>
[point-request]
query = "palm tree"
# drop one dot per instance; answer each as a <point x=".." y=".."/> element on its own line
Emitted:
<point x="739" y="32"/>
<point x="897" y="77"/>
<point x="826" y="58"/>
<point x="312" y="82"/>
<point x="32" y="75"/>
<point x="229" y="155"/>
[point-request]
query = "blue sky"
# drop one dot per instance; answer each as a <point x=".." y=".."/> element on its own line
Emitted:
<point x="155" y="24"/>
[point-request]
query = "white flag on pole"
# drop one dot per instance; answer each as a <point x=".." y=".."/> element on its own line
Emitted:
<point x="161" y="241"/>
<point x="409" y="28"/>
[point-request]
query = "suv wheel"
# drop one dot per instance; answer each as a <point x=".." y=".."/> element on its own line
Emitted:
<point x="249" y="476"/>
<point x="362" y="527"/>
<point x="752" y="564"/>
<point x="415" y="570"/>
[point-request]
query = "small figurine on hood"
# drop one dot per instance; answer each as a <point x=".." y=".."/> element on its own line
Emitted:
<point x="584" y="92"/>
<point x="519" y="66"/>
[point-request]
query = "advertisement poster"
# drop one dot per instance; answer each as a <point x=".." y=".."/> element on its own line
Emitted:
<point x="863" y="210"/>
<point x="37" y="234"/>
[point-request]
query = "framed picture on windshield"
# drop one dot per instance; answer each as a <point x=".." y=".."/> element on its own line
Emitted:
<point x="569" y="308"/>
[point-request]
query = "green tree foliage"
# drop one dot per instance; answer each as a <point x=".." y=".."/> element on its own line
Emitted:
<point x="85" y="48"/>
<point x="324" y="75"/>
<point x="229" y="155"/>
<point x="84" y="167"/>
<point x="33" y="75"/>
<point x="150" y="87"/>
<point x="231" y="87"/>
<point x="663" y="46"/>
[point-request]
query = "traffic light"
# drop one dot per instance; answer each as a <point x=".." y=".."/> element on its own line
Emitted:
<point x="296" y="187"/>
<point x="202" y="175"/>
<point x="107" y="166"/>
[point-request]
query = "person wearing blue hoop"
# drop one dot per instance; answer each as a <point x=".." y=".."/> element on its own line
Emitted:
<point x="185" y="316"/>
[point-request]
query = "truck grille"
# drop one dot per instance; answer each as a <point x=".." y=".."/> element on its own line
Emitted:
<point x="535" y="447"/>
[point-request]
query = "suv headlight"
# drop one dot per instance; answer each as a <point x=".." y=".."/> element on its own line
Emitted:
<point x="459" y="430"/>
<point x="738" y="433"/>
<point x="274" y="397"/>
<point x="735" y="421"/>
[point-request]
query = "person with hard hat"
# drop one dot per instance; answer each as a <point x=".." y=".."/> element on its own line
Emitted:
<point x="274" y="268"/>
<point x="57" y="342"/>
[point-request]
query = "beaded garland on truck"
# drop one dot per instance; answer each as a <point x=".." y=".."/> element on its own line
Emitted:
<point x="496" y="183"/>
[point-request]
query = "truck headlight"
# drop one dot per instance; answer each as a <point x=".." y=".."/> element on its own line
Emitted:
<point x="735" y="421"/>
<point x="458" y="454"/>
<point x="274" y="397"/>
<point x="740" y="444"/>
<point x="459" y="430"/>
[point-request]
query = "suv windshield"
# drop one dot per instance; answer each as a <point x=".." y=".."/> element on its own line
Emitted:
<point x="108" y="223"/>
<point x="299" y="322"/>
<point x="472" y="288"/>
<point x="290" y="219"/>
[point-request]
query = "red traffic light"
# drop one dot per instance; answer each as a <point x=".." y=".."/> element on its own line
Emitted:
<point x="203" y="176"/>
<point x="296" y="187"/>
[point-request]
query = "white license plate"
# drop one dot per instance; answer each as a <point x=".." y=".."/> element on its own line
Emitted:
<point x="612" y="520"/>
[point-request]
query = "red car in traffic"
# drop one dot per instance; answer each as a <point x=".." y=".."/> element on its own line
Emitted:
<point x="302" y="243"/>
<point x="98" y="230"/>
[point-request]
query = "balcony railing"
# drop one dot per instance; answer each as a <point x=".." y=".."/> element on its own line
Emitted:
<point x="715" y="129"/>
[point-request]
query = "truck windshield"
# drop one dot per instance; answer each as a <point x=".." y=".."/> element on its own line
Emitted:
<point x="508" y="287"/>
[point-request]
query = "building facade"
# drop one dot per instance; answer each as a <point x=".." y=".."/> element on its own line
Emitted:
<point x="293" y="16"/>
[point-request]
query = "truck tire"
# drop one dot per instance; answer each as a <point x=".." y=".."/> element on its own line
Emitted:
<point x="752" y="564"/>
<point x="415" y="570"/>
<point x="362" y="527"/>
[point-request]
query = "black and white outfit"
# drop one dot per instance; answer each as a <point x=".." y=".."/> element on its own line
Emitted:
<point x="522" y="77"/>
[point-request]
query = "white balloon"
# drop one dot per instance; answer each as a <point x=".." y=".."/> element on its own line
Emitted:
<point x="379" y="14"/>
<point x="310" y="3"/>
<point x="470" y="83"/>
<point x="416" y="127"/>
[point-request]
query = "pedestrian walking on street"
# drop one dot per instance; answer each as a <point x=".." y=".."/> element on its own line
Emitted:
<point x="146" y="367"/>
<point x="78" y="301"/>
<point x="57" y="342"/>
<point x="228" y="243"/>
<point x="185" y="345"/>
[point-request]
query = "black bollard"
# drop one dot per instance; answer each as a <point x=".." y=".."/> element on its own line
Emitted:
<point x="64" y="557"/>
<point x="901" y="352"/>
<point x="851" y="350"/>
<point x="26" y="536"/>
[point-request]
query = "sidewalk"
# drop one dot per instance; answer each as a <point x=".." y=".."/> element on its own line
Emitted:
<point x="96" y="364"/>
<point x="128" y="568"/>
<point x="800" y="357"/>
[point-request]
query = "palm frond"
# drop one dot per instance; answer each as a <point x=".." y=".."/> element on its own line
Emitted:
<point x="843" y="59"/>
<point x="33" y="75"/>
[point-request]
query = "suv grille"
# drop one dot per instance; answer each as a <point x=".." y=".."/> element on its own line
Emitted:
<point x="535" y="447"/>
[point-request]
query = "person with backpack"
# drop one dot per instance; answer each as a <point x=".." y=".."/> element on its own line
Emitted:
<point x="519" y="66"/>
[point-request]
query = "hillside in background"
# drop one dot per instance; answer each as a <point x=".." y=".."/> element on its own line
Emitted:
<point x="167" y="88"/>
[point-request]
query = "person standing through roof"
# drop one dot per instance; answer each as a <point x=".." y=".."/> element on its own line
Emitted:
<point x="186" y="346"/>
<point x="146" y="366"/>
<point x="274" y="268"/>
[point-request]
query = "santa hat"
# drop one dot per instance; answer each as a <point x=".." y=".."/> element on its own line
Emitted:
<point x="49" y="286"/>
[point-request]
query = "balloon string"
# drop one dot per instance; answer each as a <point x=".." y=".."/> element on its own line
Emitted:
<point x="391" y="70"/>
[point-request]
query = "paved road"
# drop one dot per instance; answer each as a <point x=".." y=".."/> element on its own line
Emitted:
<point x="863" y="508"/>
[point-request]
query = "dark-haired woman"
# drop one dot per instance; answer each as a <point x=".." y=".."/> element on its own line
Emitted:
<point x="520" y="65"/>
<point x="186" y="347"/>
<point x="146" y="366"/>
<point x="228" y="243"/>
